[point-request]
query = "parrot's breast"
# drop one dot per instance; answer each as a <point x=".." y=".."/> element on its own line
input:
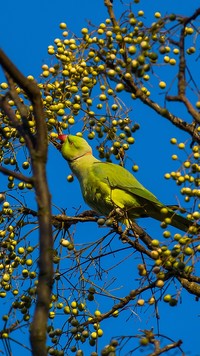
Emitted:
<point x="97" y="196"/>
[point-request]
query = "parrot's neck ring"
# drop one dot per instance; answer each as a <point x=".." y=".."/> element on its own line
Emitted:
<point x="74" y="159"/>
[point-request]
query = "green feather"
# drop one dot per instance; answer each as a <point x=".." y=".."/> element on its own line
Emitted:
<point x="107" y="187"/>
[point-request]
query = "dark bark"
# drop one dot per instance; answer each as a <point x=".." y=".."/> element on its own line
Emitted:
<point x="37" y="146"/>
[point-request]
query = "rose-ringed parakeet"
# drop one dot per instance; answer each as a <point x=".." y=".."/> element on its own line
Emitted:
<point x="108" y="187"/>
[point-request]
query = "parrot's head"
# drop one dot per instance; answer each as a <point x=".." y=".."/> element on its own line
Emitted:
<point x="74" y="147"/>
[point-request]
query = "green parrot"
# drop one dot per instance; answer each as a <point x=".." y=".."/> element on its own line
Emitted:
<point x="108" y="188"/>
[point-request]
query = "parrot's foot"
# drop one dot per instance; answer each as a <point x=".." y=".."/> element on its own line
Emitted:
<point x="117" y="214"/>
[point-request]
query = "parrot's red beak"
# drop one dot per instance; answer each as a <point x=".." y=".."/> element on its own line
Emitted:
<point x="62" y="138"/>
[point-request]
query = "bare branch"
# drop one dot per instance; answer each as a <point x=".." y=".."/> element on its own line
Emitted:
<point x="121" y="305"/>
<point x="19" y="176"/>
<point x="109" y="6"/>
<point x="166" y="348"/>
<point x="193" y="17"/>
<point x="191" y="287"/>
<point x="38" y="154"/>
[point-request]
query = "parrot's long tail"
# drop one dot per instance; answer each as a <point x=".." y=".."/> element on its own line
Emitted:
<point x="176" y="220"/>
<point x="165" y="214"/>
<point x="184" y="224"/>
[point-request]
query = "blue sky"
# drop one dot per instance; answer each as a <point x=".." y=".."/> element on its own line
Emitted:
<point x="26" y="31"/>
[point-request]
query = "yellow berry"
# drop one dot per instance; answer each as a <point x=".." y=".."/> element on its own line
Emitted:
<point x="94" y="335"/>
<point x="29" y="262"/>
<point x="166" y="234"/>
<point x="4" y="85"/>
<point x="135" y="168"/>
<point x="166" y="59"/>
<point x="84" y="31"/>
<point x="167" y="298"/>
<point x="66" y="310"/>
<point x="187" y="164"/>
<point x="144" y="341"/>
<point x="167" y="176"/>
<point x="64" y="242"/>
<point x="99" y="332"/>
<point x="172" y="61"/>
<point x="173" y="141"/>
<point x="160" y="283"/>
<point x="97" y="313"/>
<point x="6" y="277"/>
<point x="45" y="73"/>
<point x="157" y="15"/>
<point x="115" y="313"/>
<point x="162" y="85"/>
<point x="140" y="302"/>
<point x="73" y="304"/>
<point x="176" y="51"/>
<point x="181" y="145"/>
<point x="63" y="25"/>
<point x="52" y="315"/>
<point x="119" y="87"/>
<point x="70" y="178"/>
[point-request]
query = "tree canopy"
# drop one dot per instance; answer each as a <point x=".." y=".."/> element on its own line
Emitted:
<point x="78" y="282"/>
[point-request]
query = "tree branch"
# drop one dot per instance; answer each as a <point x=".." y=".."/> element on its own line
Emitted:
<point x="109" y="6"/>
<point x="19" y="176"/>
<point x="181" y="97"/>
<point x="191" y="287"/>
<point x="38" y="154"/>
<point x="166" y="348"/>
<point x="176" y="121"/>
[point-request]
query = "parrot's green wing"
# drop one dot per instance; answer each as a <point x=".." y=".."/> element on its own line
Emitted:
<point x="140" y="201"/>
<point x="118" y="177"/>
